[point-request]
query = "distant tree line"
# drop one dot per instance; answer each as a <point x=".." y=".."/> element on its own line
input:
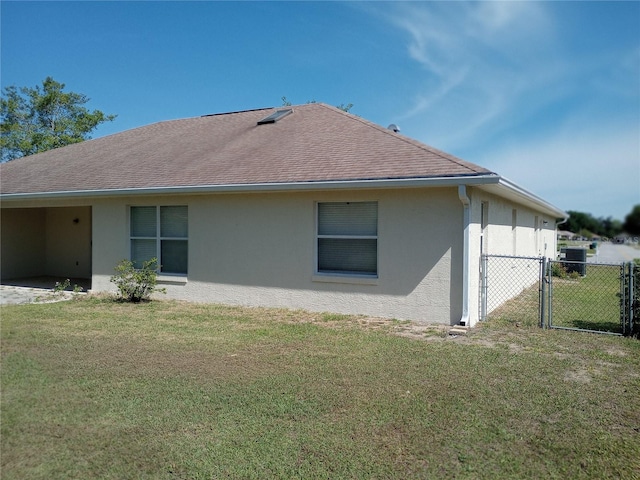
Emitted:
<point x="587" y="225"/>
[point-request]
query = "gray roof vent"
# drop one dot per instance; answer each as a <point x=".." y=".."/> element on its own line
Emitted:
<point x="394" y="127"/>
<point x="277" y="115"/>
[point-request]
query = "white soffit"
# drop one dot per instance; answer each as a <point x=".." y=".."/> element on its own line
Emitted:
<point x="507" y="189"/>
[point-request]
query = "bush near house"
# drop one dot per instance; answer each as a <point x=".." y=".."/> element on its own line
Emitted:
<point x="136" y="284"/>
<point x="559" y="270"/>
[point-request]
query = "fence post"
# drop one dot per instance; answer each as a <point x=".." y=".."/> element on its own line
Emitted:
<point x="632" y="297"/>
<point x="624" y="288"/>
<point x="549" y="277"/>
<point x="543" y="269"/>
<point x="483" y="290"/>
<point x="627" y="299"/>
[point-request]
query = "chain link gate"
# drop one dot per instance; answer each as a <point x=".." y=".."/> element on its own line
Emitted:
<point x="566" y="295"/>
<point x="586" y="297"/>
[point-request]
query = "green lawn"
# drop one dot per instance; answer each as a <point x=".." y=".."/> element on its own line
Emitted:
<point x="591" y="302"/>
<point x="167" y="390"/>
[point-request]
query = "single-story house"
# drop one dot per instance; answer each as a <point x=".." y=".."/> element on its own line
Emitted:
<point x="301" y="207"/>
<point x="566" y="235"/>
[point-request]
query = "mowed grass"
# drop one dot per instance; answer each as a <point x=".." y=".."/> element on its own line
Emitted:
<point x="591" y="302"/>
<point x="168" y="390"/>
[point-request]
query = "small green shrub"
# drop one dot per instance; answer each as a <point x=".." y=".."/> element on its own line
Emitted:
<point x="135" y="285"/>
<point x="60" y="287"/>
<point x="559" y="270"/>
<point x="573" y="275"/>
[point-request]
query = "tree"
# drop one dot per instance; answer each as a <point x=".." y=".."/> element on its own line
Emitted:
<point x="611" y="226"/>
<point x="580" y="221"/>
<point x="587" y="225"/>
<point x="632" y="221"/>
<point x="38" y="119"/>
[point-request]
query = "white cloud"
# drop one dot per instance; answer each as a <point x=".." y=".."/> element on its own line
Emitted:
<point x="477" y="51"/>
<point x="511" y="79"/>
<point x="594" y="171"/>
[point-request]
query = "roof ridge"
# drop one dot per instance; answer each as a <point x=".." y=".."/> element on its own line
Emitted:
<point x="459" y="161"/>
<point x="237" y="111"/>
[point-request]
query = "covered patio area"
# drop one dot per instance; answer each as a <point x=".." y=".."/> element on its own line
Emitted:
<point x="42" y="246"/>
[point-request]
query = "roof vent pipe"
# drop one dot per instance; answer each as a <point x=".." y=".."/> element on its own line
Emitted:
<point x="394" y="127"/>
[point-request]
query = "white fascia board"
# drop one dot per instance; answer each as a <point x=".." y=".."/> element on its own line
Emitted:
<point x="263" y="187"/>
<point x="508" y="189"/>
<point x="492" y="183"/>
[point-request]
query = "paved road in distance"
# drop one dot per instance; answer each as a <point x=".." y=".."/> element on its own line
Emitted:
<point x="614" y="253"/>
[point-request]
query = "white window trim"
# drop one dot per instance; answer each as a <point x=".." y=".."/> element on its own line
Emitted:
<point x="356" y="279"/>
<point x="162" y="277"/>
<point x="350" y="277"/>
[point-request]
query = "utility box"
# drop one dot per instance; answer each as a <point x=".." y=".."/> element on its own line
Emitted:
<point x="576" y="260"/>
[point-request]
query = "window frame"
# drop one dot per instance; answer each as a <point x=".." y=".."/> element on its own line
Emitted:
<point x="159" y="238"/>
<point x="345" y="276"/>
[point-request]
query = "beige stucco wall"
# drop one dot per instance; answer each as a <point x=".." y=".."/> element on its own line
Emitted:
<point x="68" y="242"/>
<point x="22" y="250"/>
<point x="258" y="249"/>
<point x="502" y="237"/>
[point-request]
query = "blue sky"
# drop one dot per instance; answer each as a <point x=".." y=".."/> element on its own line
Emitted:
<point x="546" y="94"/>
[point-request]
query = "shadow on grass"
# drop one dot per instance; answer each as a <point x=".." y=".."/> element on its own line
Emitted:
<point x="598" y="326"/>
<point x="599" y="312"/>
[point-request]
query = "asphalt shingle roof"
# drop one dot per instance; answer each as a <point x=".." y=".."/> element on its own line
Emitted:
<point x="316" y="143"/>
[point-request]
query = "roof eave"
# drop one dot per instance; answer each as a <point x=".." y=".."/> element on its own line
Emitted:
<point x="263" y="187"/>
<point x="490" y="182"/>
<point x="508" y="189"/>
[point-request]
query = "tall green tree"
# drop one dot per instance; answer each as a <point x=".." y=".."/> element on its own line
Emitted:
<point x="579" y="221"/>
<point x="37" y="119"/>
<point x="632" y="221"/>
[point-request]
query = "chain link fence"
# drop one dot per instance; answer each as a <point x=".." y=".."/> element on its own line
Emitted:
<point x="510" y="289"/>
<point x="585" y="296"/>
<point x="561" y="294"/>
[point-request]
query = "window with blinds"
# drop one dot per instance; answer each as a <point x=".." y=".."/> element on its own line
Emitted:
<point x="162" y="233"/>
<point x="347" y="238"/>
